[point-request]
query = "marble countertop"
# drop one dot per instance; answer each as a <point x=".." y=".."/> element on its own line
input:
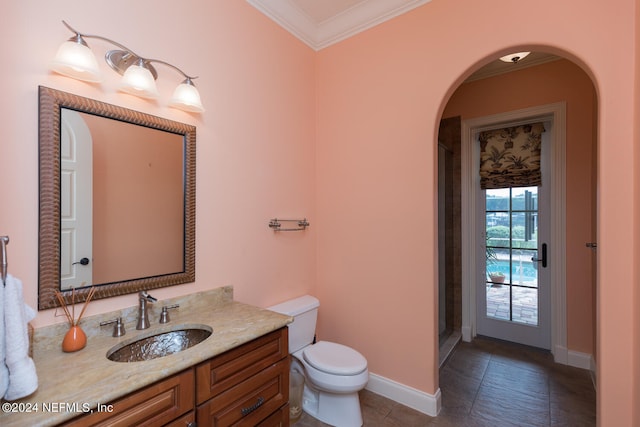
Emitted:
<point x="70" y="383"/>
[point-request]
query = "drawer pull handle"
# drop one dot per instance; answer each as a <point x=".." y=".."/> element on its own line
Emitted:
<point x="250" y="409"/>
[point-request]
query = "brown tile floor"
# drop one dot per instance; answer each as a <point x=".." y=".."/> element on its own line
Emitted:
<point x="493" y="383"/>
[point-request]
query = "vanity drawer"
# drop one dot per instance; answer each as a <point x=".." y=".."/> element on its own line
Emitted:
<point x="280" y="418"/>
<point x="236" y="365"/>
<point x="186" y="420"/>
<point x="155" y="405"/>
<point x="251" y="402"/>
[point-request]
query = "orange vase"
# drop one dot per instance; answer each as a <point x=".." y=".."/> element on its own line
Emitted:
<point x="74" y="340"/>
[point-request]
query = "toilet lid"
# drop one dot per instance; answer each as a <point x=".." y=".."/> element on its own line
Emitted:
<point x="335" y="358"/>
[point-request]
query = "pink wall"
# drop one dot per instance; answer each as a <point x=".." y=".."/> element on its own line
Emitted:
<point x="255" y="142"/>
<point x="345" y="137"/>
<point x="380" y="97"/>
<point x="545" y="84"/>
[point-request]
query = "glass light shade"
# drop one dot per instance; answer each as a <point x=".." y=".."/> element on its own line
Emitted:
<point x="186" y="97"/>
<point x="76" y="60"/>
<point x="138" y="80"/>
<point x="514" y="57"/>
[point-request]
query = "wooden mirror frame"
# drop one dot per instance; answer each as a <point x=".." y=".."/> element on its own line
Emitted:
<point x="51" y="101"/>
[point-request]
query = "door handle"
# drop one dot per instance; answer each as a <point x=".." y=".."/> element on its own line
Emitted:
<point x="542" y="260"/>
<point x="83" y="261"/>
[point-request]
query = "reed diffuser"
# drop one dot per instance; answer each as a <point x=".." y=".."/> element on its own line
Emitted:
<point x="75" y="339"/>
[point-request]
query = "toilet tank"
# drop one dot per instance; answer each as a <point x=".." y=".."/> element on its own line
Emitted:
<point x="304" y="311"/>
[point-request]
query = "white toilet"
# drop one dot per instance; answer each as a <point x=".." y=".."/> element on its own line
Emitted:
<point x="334" y="373"/>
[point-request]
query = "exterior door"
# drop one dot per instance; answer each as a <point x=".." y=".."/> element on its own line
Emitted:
<point x="513" y="297"/>
<point x="76" y="213"/>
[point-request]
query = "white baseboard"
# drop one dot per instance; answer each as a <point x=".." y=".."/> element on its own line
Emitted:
<point x="419" y="400"/>
<point x="466" y="333"/>
<point x="561" y="355"/>
<point x="574" y="358"/>
<point x="580" y="360"/>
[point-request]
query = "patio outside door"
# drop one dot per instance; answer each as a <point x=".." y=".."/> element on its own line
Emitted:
<point x="513" y="299"/>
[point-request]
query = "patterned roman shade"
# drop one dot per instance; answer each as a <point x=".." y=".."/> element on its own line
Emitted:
<point x="510" y="157"/>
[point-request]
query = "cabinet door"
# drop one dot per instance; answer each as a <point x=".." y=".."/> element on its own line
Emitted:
<point x="250" y="402"/>
<point x="234" y="366"/>
<point x="155" y="405"/>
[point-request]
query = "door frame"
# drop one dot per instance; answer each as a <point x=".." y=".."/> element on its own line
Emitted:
<point x="470" y="240"/>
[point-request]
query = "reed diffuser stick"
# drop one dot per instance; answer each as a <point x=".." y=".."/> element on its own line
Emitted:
<point x="86" y="303"/>
<point x="71" y="315"/>
<point x="73" y="305"/>
<point x="64" y="307"/>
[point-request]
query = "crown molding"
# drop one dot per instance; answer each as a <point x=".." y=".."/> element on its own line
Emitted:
<point x="345" y="24"/>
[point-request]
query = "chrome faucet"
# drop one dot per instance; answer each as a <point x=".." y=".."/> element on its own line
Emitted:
<point x="143" y="316"/>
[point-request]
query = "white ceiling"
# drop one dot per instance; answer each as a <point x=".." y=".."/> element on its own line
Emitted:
<point x="321" y="23"/>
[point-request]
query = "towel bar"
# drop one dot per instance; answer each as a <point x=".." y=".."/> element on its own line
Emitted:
<point x="276" y="226"/>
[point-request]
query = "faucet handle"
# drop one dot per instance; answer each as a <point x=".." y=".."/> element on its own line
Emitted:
<point x="164" y="315"/>
<point x="146" y="296"/>
<point x="118" y="327"/>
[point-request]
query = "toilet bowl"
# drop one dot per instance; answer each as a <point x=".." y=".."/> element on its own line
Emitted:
<point x="334" y="373"/>
<point x="334" y="367"/>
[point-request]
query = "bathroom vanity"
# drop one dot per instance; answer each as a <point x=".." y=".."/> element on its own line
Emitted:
<point x="239" y="373"/>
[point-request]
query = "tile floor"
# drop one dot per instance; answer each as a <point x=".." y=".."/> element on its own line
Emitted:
<point x="493" y="383"/>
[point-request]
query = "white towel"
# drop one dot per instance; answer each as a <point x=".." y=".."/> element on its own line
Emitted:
<point x="23" y="379"/>
<point x="4" y="371"/>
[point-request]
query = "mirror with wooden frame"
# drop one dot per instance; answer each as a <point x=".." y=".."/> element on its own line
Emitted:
<point x="117" y="199"/>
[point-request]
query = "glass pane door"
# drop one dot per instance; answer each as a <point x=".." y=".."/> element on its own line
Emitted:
<point x="512" y="242"/>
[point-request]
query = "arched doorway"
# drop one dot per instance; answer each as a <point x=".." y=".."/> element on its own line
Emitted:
<point x="557" y="80"/>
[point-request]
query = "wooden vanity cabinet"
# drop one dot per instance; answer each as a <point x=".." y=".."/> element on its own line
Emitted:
<point x="154" y="405"/>
<point x="246" y="386"/>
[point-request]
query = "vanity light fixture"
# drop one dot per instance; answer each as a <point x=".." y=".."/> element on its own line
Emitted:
<point x="514" y="57"/>
<point x="75" y="59"/>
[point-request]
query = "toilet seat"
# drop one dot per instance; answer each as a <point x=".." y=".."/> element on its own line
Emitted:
<point x="333" y="358"/>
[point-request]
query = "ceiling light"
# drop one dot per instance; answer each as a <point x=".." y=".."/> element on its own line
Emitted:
<point x="514" y="57"/>
<point x="75" y="59"/>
